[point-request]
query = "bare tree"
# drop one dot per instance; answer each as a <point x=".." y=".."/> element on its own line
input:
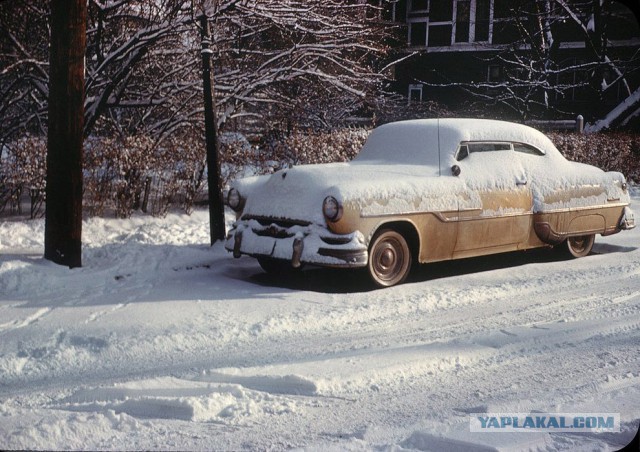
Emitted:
<point x="24" y="66"/>
<point x="278" y="64"/>
<point x="273" y="57"/>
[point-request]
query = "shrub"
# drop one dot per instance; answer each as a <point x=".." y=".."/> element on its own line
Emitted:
<point x="138" y="173"/>
<point x="23" y="170"/>
<point x="299" y="147"/>
<point x="613" y="151"/>
<point x="123" y="175"/>
<point x="115" y="171"/>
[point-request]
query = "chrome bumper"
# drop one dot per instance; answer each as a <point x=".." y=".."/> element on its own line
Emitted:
<point x="298" y="244"/>
<point x="627" y="221"/>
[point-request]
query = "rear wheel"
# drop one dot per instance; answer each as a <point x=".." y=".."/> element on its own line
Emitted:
<point x="581" y="245"/>
<point x="389" y="258"/>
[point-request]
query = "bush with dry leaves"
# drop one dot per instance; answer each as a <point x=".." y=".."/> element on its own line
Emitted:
<point x="124" y="175"/>
<point x="612" y="151"/>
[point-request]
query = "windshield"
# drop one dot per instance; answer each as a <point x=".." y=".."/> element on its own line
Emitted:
<point x="403" y="143"/>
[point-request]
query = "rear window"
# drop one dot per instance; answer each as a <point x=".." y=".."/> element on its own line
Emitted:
<point x="527" y="149"/>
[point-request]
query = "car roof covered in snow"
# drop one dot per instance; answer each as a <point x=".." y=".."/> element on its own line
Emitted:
<point x="434" y="142"/>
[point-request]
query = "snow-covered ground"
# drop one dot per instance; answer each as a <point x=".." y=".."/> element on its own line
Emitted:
<point x="161" y="342"/>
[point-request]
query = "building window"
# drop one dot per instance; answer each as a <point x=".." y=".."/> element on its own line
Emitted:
<point x="440" y="35"/>
<point x="419" y="5"/>
<point x="441" y="11"/>
<point x="394" y="11"/>
<point x="418" y="34"/>
<point x="463" y="21"/>
<point x="494" y="73"/>
<point x="442" y="23"/>
<point x="415" y="93"/>
<point x="483" y="20"/>
<point x="573" y="80"/>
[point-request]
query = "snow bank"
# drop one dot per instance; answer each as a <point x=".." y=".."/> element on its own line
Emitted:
<point x="463" y="441"/>
<point x="173" y="398"/>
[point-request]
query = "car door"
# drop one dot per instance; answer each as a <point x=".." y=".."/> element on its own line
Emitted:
<point x="497" y="216"/>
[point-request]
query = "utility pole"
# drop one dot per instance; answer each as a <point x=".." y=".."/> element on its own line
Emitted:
<point x="216" y="203"/>
<point x="63" y="217"/>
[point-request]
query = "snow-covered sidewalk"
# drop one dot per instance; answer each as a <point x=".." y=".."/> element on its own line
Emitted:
<point x="162" y="342"/>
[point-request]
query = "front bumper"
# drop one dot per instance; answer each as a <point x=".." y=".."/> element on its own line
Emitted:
<point x="297" y="243"/>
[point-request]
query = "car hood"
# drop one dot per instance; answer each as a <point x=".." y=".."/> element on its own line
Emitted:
<point x="297" y="193"/>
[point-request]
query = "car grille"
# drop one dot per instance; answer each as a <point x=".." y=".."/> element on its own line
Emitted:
<point x="273" y="231"/>
<point x="274" y="227"/>
<point x="281" y="223"/>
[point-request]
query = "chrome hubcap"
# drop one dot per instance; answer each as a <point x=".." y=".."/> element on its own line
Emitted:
<point x="387" y="258"/>
<point x="578" y="243"/>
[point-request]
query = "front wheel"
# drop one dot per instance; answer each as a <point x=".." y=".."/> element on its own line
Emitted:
<point x="581" y="245"/>
<point x="389" y="258"/>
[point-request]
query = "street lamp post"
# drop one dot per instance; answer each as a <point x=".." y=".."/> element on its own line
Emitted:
<point x="216" y="203"/>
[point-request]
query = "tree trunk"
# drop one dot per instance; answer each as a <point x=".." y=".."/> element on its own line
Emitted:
<point x="63" y="226"/>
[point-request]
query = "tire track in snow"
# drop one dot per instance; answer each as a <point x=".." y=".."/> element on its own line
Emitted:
<point x="99" y="314"/>
<point x="15" y="324"/>
<point x="400" y="308"/>
<point x="573" y="306"/>
<point x="445" y="324"/>
<point x="497" y="311"/>
<point x="371" y="321"/>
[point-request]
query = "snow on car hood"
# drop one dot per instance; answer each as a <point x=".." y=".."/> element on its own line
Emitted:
<point x="297" y="193"/>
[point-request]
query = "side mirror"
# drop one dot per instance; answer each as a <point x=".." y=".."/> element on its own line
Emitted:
<point x="455" y="170"/>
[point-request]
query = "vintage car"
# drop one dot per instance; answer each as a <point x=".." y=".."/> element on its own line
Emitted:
<point x="425" y="191"/>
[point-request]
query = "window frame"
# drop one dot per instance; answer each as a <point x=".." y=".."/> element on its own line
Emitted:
<point x="415" y="88"/>
<point x="424" y="16"/>
<point x="465" y="148"/>
<point x="536" y="150"/>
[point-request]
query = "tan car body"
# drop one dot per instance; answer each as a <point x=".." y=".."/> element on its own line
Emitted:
<point x="450" y="203"/>
<point x="452" y="234"/>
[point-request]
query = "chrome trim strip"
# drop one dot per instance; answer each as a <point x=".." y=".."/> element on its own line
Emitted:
<point x="580" y="209"/>
<point x="446" y="219"/>
<point x="383" y="215"/>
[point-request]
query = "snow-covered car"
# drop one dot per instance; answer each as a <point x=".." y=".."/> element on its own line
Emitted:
<point x="425" y="191"/>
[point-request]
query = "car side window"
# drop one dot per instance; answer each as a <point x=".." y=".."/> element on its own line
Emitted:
<point x="463" y="152"/>
<point x="488" y="147"/>
<point x="527" y="149"/>
<point x="480" y="146"/>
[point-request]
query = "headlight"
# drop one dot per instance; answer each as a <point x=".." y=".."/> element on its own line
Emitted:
<point x="331" y="209"/>
<point x="234" y="200"/>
